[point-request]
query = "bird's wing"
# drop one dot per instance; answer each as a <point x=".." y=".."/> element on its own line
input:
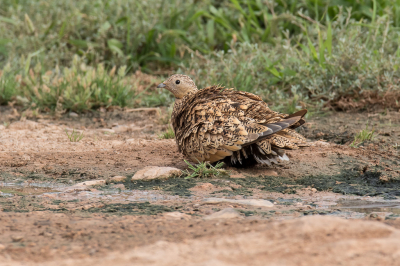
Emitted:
<point x="215" y="123"/>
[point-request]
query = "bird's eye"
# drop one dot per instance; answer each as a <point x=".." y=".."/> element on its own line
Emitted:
<point x="178" y="81"/>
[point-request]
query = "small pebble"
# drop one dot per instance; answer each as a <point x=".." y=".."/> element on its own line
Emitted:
<point x="17" y="238"/>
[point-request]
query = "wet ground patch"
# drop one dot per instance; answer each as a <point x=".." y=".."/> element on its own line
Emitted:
<point x="145" y="208"/>
<point x="341" y="138"/>
<point x="268" y="183"/>
<point x="350" y="181"/>
<point x="22" y="204"/>
<point x="354" y="182"/>
<point x="174" y="186"/>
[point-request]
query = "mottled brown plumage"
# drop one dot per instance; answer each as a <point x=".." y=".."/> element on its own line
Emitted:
<point x="215" y="124"/>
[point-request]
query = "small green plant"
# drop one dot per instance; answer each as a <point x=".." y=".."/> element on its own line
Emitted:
<point x="75" y="136"/>
<point x="363" y="136"/>
<point x="165" y="117"/>
<point x="205" y="169"/>
<point x="169" y="134"/>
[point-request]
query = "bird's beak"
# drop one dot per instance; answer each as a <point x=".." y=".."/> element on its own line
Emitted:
<point x="161" y="85"/>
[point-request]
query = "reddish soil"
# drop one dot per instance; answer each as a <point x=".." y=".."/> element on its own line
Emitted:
<point x="165" y="223"/>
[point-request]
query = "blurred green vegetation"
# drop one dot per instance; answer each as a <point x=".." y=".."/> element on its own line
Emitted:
<point x="65" y="54"/>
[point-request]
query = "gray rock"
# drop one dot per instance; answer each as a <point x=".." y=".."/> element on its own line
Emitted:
<point x="155" y="172"/>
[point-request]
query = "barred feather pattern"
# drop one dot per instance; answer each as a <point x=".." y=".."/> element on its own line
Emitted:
<point x="215" y="124"/>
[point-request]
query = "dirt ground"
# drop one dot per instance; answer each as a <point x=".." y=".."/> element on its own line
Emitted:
<point x="332" y="204"/>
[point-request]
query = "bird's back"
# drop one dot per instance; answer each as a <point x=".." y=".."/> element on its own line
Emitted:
<point x="216" y="124"/>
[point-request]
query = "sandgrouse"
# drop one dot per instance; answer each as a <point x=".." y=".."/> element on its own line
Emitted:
<point x="215" y="124"/>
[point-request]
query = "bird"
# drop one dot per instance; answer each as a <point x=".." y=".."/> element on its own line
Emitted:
<point x="218" y="124"/>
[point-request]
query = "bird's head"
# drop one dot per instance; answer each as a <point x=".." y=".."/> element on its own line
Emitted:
<point x="179" y="85"/>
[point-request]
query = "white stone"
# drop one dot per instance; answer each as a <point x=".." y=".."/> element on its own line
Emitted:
<point x="91" y="183"/>
<point x="121" y="128"/>
<point x="73" y="114"/>
<point x="118" y="178"/>
<point x="177" y="216"/>
<point x="228" y="213"/>
<point x="251" y="202"/>
<point x="84" y="185"/>
<point x="154" y="172"/>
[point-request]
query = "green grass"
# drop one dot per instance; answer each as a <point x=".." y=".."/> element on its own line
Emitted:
<point x="142" y="33"/>
<point x="77" y="88"/>
<point x="362" y="136"/>
<point x="205" y="169"/>
<point x="168" y="134"/>
<point x="75" y="136"/>
<point x="81" y="55"/>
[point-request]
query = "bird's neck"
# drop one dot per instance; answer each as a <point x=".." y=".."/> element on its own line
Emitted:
<point x="181" y="102"/>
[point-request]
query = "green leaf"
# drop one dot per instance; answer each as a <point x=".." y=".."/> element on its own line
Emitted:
<point x="289" y="73"/>
<point x="28" y="60"/>
<point x="8" y="20"/>
<point x="173" y="50"/>
<point x="238" y="7"/>
<point x="328" y="42"/>
<point x="274" y="72"/>
<point x="115" y="46"/>
<point x="304" y="48"/>
<point x="210" y="32"/>
<point x="48" y="30"/>
<point x="374" y="11"/>
<point x="79" y="43"/>
<point x="321" y="50"/>
<point x="121" y="21"/>
<point x="213" y="10"/>
<point x="312" y="49"/>
<point x="61" y="32"/>
<point x="105" y="27"/>
<point x="189" y="21"/>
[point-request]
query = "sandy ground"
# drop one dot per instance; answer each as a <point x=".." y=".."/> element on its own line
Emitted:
<point x="330" y="205"/>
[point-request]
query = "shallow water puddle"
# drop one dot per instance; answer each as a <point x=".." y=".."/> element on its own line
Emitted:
<point x="369" y="206"/>
<point x="353" y="207"/>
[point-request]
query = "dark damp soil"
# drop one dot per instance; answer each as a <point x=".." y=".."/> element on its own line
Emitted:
<point x="173" y="186"/>
<point x="144" y="208"/>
